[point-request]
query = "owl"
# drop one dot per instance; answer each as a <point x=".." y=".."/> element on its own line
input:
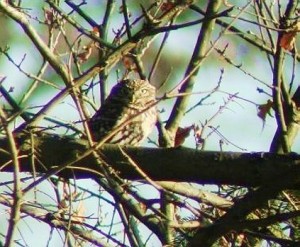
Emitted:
<point x="128" y="114"/>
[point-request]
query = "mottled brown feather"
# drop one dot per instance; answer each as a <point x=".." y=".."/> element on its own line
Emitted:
<point x="129" y="101"/>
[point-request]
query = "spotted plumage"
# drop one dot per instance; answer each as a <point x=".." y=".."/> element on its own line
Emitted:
<point x="128" y="114"/>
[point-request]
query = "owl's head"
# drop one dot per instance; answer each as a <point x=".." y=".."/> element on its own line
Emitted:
<point x="137" y="93"/>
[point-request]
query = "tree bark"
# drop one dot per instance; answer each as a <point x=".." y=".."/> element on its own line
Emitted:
<point x="73" y="158"/>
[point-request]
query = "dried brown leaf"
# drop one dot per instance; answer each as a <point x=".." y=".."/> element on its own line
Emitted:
<point x="182" y="134"/>
<point x="264" y="110"/>
<point x="288" y="39"/>
<point x="129" y="63"/>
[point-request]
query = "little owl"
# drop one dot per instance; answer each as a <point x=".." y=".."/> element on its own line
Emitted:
<point x="127" y="116"/>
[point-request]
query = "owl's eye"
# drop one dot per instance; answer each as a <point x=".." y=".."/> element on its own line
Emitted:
<point x="144" y="91"/>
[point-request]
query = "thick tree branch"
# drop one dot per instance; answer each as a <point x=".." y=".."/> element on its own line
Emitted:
<point x="252" y="200"/>
<point x="199" y="55"/>
<point x="160" y="164"/>
<point x="287" y="114"/>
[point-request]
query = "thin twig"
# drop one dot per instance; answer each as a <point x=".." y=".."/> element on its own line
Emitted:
<point x="17" y="191"/>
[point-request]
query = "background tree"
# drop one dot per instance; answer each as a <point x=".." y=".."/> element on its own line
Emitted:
<point x="211" y="62"/>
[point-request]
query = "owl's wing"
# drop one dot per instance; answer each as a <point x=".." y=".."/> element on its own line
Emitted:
<point x="108" y="117"/>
